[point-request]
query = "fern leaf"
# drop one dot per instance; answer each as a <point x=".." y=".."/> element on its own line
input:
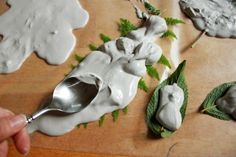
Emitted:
<point x="142" y="85"/>
<point x="125" y="27"/>
<point x="105" y="38"/>
<point x="173" y="21"/>
<point x="152" y="72"/>
<point x="169" y="34"/>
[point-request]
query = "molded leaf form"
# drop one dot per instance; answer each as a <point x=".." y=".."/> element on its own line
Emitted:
<point x="153" y="124"/>
<point x="209" y="106"/>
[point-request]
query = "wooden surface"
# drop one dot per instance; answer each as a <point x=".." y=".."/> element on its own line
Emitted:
<point x="209" y="64"/>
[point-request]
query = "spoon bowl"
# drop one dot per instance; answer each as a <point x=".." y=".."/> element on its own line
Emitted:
<point x="69" y="96"/>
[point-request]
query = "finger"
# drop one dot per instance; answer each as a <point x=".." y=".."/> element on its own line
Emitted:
<point x="22" y="141"/>
<point x="5" y="113"/>
<point x="3" y="149"/>
<point x="11" y="125"/>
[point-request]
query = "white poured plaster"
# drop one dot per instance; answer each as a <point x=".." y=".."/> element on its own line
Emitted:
<point x="43" y="26"/>
<point x="215" y="17"/>
<point x="115" y="69"/>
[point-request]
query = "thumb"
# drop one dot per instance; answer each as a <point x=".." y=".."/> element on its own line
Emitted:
<point x="11" y="125"/>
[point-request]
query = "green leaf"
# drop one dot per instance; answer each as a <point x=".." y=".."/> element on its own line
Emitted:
<point x="125" y="110"/>
<point x="173" y="21"/>
<point x="93" y="47"/>
<point x="164" y="61"/>
<point x="125" y="27"/>
<point x="115" y="115"/>
<point x="79" y="58"/>
<point x="72" y="66"/>
<point x="85" y="125"/>
<point x="153" y="124"/>
<point x="142" y="85"/>
<point x="151" y="9"/>
<point x="101" y="120"/>
<point x="105" y="38"/>
<point x="169" y="34"/>
<point x="152" y="72"/>
<point x="209" y="106"/>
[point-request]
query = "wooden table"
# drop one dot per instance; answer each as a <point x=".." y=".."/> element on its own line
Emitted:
<point x="39" y="152"/>
<point x="209" y="64"/>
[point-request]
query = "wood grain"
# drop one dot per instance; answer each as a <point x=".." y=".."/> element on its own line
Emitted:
<point x="209" y="64"/>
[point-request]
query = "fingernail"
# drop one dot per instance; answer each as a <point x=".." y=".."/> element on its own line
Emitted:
<point x="17" y="121"/>
<point x="26" y="151"/>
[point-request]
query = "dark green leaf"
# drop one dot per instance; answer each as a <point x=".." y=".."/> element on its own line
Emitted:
<point x="115" y="115"/>
<point x="93" y="47"/>
<point x="176" y="77"/>
<point x="169" y="34"/>
<point x="125" y="27"/>
<point x="151" y="9"/>
<point x="163" y="60"/>
<point x="209" y="106"/>
<point x="105" y="38"/>
<point x="101" y="120"/>
<point x="79" y="58"/>
<point x="142" y="85"/>
<point x="152" y="72"/>
<point x="173" y="21"/>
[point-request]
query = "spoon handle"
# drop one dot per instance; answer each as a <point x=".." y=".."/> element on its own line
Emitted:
<point x="37" y="114"/>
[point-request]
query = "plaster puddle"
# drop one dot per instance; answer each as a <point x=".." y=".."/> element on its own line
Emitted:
<point x="43" y="26"/>
<point x="216" y="17"/>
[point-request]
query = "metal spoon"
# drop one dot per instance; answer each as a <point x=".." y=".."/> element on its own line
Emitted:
<point x="70" y="96"/>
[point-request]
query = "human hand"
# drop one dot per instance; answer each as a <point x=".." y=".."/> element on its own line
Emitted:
<point x="13" y="126"/>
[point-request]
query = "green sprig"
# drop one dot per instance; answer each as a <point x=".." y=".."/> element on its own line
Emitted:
<point x="125" y="110"/>
<point x="101" y="120"/>
<point x="152" y="72"/>
<point x="142" y="85"/>
<point x="115" y="115"/>
<point x="173" y="21"/>
<point x="151" y="9"/>
<point x="105" y="38"/>
<point x="85" y="125"/>
<point x="125" y="27"/>
<point x="164" y="61"/>
<point x="169" y="34"/>
<point x="78" y="58"/>
<point x="92" y="47"/>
